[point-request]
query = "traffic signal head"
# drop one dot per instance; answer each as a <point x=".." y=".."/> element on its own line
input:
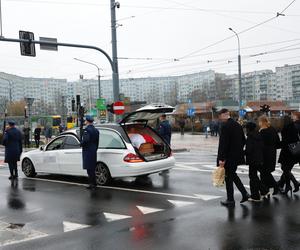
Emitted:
<point x="265" y="108"/>
<point x="78" y="100"/>
<point x="73" y="104"/>
<point x="27" y="48"/>
<point x="110" y="108"/>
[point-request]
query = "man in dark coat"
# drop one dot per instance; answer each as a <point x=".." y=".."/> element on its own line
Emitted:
<point x="165" y="129"/>
<point x="37" y="136"/>
<point x="255" y="160"/>
<point x="230" y="155"/>
<point x="26" y="132"/>
<point x="89" y="144"/>
<point x="13" y="148"/>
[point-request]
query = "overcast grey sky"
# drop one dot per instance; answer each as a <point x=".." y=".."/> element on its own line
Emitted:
<point x="162" y="30"/>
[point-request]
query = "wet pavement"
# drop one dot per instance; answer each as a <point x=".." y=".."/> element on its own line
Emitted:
<point x="178" y="211"/>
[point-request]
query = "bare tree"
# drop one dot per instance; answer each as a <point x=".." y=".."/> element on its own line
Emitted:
<point x="3" y="104"/>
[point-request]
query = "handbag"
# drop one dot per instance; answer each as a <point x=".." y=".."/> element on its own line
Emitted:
<point x="294" y="148"/>
<point x="218" y="177"/>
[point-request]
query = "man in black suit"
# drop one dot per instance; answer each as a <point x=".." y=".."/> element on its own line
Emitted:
<point x="230" y="155"/>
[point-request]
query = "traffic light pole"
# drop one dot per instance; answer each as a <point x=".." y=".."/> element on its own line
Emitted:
<point x="114" y="65"/>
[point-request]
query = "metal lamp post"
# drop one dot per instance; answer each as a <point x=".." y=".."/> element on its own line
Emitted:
<point x="99" y="84"/>
<point x="239" y="69"/>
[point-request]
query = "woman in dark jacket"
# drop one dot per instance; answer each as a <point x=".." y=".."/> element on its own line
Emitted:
<point x="254" y="158"/>
<point x="289" y="134"/>
<point x="271" y="142"/>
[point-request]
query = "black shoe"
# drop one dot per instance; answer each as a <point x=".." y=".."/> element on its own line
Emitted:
<point x="10" y="177"/>
<point x="287" y="190"/>
<point x="245" y="198"/>
<point x="227" y="203"/>
<point x="91" y="187"/>
<point x="296" y="188"/>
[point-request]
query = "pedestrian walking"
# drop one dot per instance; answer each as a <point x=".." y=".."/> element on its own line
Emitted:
<point x="165" y="129"/>
<point x="26" y="133"/>
<point x="13" y="148"/>
<point x="89" y="144"/>
<point x="289" y="134"/>
<point x="254" y="158"/>
<point x="230" y="155"/>
<point x="48" y="133"/>
<point x="37" y="136"/>
<point x="181" y="125"/>
<point x="271" y="142"/>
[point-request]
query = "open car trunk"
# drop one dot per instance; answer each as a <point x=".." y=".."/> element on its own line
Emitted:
<point x="147" y="142"/>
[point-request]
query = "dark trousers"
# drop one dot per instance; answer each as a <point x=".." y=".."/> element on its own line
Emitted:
<point x="26" y="141"/>
<point x="256" y="185"/>
<point x="182" y="130"/>
<point x="92" y="177"/>
<point x="268" y="179"/>
<point x="37" y="141"/>
<point x="13" y="168"/>
<point x="230" y="178"/>
<point x="287" y="175"/>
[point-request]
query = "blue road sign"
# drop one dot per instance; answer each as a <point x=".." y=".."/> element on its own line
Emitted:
<point x="191" y="111"/>
<point x="242" y="112"/>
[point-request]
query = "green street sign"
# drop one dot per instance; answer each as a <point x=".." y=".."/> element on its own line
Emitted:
<point x="101" y="104"/>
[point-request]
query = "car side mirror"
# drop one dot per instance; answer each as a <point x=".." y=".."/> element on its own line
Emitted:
<point x="41" y="148"/>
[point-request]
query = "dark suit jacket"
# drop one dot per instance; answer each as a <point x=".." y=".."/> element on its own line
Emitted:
<point x="289" y="134"/>
<point x="231" y="144"/>
<point x="90" y="142"/>
<point x="254" y="149"/>
<point x="271" y="142"/>
<point x="13" y="145"/>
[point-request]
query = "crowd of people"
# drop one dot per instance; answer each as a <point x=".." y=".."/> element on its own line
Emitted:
<point x="258" y="150"/>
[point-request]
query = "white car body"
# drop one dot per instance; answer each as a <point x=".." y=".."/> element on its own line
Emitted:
<point x="63" y="155"/>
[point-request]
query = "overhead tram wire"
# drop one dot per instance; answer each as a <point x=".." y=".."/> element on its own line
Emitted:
<point x="241" y="32"/>
<point x="211" y="64"/>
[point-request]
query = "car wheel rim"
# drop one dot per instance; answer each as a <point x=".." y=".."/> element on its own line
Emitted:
<point x="27" y="167"/>
<point x="101" y="175"/>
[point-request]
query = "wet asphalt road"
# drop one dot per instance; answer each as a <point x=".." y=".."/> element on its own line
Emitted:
<point x="180" y="211"/>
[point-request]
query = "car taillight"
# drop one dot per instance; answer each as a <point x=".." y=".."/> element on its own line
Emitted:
<point x="132" y="158"/>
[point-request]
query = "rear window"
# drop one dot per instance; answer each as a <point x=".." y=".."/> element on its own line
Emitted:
<point x="110" y="140"/>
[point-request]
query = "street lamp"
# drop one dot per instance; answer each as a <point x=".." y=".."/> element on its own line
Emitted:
<point x="239" y="68"/>
<point x="99" y="86"/>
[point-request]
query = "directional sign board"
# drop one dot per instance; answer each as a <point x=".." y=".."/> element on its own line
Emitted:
<point x="191" y="111"/>
<point x="101" y="104"/>
<point x="119" y="108"/>
<point x="52" y="47"/>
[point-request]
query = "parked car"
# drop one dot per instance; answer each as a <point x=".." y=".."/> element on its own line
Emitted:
<point x="116" y="156"/>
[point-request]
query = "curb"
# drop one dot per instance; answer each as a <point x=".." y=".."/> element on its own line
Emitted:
<point x="180" y="150"/>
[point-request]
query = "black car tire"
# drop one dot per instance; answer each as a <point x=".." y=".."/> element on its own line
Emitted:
<point x="103" y="176"/>
<point x="28" y="168"/>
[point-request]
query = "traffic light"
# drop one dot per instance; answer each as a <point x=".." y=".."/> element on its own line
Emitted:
<point x="265" y="108"/>
<point x="27" y="48"/>
<point x="73" y="104"/>
<point x="81" y="112"/>
<point x="110" y="108"/>
<point x="77" y="100"/>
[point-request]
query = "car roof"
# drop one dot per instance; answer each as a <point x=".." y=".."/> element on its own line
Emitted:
<point x="113" y="126"/>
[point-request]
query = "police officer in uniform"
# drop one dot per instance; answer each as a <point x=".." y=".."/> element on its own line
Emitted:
<point x="13" y="148"/>
<point x="89" y="144"/>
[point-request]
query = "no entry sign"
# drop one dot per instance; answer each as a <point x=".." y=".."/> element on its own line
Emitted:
<point x="119" y="108"/>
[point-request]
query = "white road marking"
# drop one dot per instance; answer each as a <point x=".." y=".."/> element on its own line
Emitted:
<point x="110" y="187"/>
<point x="206" y="197"/>
<point x="19" y="232"/>
<point x="35" y="210"/>
<point x="71" y="226"/>
<point x="177" y="203"/>
<point x="149" y="210"/>
<point x="113" y="217"/>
